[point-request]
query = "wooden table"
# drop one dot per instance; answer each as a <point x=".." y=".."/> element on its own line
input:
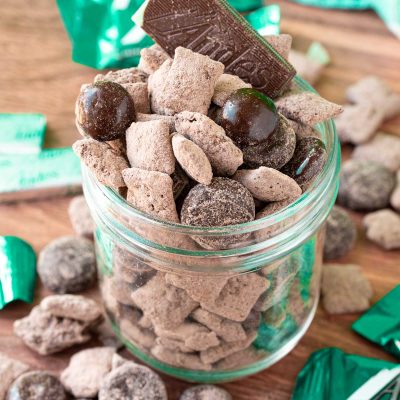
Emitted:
<point x="37" y="75"/>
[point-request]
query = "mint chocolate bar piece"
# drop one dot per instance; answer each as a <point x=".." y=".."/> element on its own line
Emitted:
<point x="215" y="29"/>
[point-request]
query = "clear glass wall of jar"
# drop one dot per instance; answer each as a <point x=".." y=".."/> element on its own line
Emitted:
<point x="220" y="314"/>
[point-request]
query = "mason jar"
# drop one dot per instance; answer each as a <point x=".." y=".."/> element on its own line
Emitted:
<point x="213" y="315"/>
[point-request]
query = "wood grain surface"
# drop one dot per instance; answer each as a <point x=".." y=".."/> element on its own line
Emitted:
<point x="37" y="75"/>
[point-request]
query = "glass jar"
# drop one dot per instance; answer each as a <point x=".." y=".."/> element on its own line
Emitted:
<point x="220" y="314"/>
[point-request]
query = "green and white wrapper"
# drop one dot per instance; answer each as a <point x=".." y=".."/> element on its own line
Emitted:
<point x="381" y="323"/>
<point x="17" y="270"/>
<point x="22" y="133"/>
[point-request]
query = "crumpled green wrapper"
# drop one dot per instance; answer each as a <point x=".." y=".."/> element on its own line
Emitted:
<point x="381" y="323"/>
<point x="17" y="270"/>
<point x="265" y="20"/>
<point x="103" y="34"/>
<point x="331" y="374"/>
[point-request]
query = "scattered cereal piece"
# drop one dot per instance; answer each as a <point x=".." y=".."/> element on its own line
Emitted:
<point x="67" y="265"/>
<point x="165" y="305"/>
<point x="192" y="159"/>
<point x="268" y="184"/>
<point x="37" y="385"/>
<point x="341" y="234"/>
<point x="102" y="160"/>
<point x="143" y="338"/>
<point x="395" y="197"/>
<point x="79" y="215"/>
<point x="86" y="370"/>
<point x="122" y="76"/>
<point x="383" y="149"/>
<point x="130" y="381"/>
<point x="225" y="86"/>
<point x="10" y="370"/>
<point x="151" y="58"/>
<point x="148" y="146"/>
<point x="117" y="361"/>
<point x="383" y="228"/>
<point x="307" y="108"/>
<point x="106" y="335"/>
<point x="365" y="185"/>
<point x="358" y="123"/>
<point x="281" y="43"/>
<point x="224" y="156"/>
<point x="72" y="306"/>
<point x="151" y="192"/>
<point x="307" y="68"/>
<point x="302" y="130"/>
<point x="169" y="119"/>
<point x="140" y="96"/>
<point x="345" y="289"/>
<point x="374" y="91"/>
<point x="202" y="392"/>
<point x="179" y="359"/>
<point x="228" y="330"/>
<point x="189" y="73"/>
<point x="274" y="152"/>
<point x="47" y="334"/>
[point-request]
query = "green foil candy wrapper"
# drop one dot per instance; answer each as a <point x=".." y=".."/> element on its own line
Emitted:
<point x="331" y="374"/>
<point x="265" y="20"/>
<point x="17" y="270"/>
<point x="381" y="323"/>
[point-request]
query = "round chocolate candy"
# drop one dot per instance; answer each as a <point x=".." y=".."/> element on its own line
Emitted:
<point x="104" y="110"/>
<point x="308" y="159"/>
<point x="248" y="117"/>
<point x="276" y="151"/>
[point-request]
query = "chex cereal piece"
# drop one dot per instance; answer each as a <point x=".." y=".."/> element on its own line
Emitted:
<point x="302" y="130"/>
<point x="229" y="331"/>
<point x="194" y="336"/>
<point x="151" y="58"/>
<point x="374" y="91"/>
<point x="72" y="306"/>
<point x="202" y="392"/>
<point x="48" y="334"/>
<point x="189" y="84"/>
<point x="358" y="123"/>
<point x="148" y="146"/>
<point x="198" y="287"/>
<point x="169" y="119"/>
<point x="102" y="160"/>
<point x="383" y="228"/>
<point x="10" y="370"/>
<point x="395" y="197"/>
<point x="151" y="192"/>
<point x="126" y="75"/>
<point x="237" y="297"/>
<point x="179" y="359"/>
<point x="173" y="344"/>
<point x="118" y="145"/>
<point x="143" y="338"/>
<point x="365" y="185"/>
<point x="106" y="336"/>
<point x="224" y="156"/>
<point x="156" y="86"/>
<point x="243" y="357"/>
<point x="268" y="184"/>
<point x="225" y="86"/>
<point x="86" y="370"/>
<point x="121" y="291"/>
<point x="225" y="349"/>
<point x="281" y="43"/>
<point x="140" y="96"/>
<point x="345" y="289"/>
<point x="192" y="159"/>
<point x="307" y="108"/>
<point x="383" y="149"/>
<point x="165" y="305"/>
<point x="307" y="68"/>
<point x="79" y="215"/>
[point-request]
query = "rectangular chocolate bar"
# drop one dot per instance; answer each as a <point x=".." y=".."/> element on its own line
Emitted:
<point x="214" y="28"/>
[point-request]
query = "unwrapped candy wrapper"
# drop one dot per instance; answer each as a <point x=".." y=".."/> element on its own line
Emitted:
<point x="381" y="323"/>
<point x="332" y="374"/>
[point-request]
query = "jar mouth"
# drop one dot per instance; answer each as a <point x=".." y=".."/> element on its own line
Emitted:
<point x="324" y="179"/>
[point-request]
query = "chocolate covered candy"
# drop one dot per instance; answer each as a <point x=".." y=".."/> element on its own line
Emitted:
<point x="215" y="29"/>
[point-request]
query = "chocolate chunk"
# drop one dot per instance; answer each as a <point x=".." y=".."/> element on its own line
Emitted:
<point x="214" y="28"/>
<point x="130" y="381"/>
<point x="10" y="370"/>
<point x="223" y="202"/>
<point x="202" y="392"/>
<point x="67" y="265"/>
<point x="274" y="152"/>
<point x="307" y="162"/>
<point x="341" y="234"/>
<point x="104" y="110"/>
<point x="37" y="385"/>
